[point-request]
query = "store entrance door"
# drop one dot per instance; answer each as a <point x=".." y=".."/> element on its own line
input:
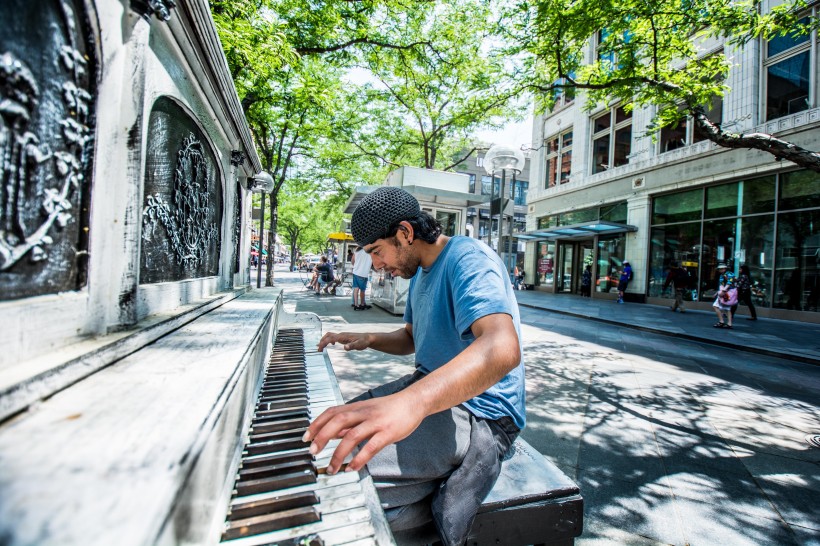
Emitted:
<point x="566" y="268"/>
<point x="574" y="257"/>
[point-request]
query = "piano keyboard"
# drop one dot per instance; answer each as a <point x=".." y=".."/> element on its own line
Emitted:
<point x="282" y="495"/>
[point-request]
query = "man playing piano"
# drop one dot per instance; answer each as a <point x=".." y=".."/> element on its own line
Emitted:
<point x="433" y="440"/>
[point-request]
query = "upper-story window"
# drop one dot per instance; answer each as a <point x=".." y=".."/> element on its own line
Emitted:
<point x="520" y="192"/>
<point x="563" y="96"/>
<point x="684" y="133"/>
<point x="787" y="63"/>
<point x="600" y="54"/>
<point x="488" y="187"/>
<point x="559" y="159"/>
<point x="611" y="139"/>
<point x="472" y="183"/>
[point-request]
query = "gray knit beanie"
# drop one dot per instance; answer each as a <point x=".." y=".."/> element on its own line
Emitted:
<point x="380" y="210"/>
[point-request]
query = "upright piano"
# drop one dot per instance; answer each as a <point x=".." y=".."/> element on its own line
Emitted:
<point x="194" y="437"/>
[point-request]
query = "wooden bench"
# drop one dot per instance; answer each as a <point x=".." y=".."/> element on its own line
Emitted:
<point x="533" y="502"/>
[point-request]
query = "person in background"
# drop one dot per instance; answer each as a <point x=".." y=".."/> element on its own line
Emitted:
<point x="324" y="275"/>
<point x="744" y="291"/>
<point x="362" y="263"/>
<point x="724" y="300"/>
<point x="623" y="281"/>
<point x="679" y="279"/>
<point x="586" y="281"/>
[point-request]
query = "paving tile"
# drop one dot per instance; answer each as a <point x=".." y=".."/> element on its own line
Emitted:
<point x="642" y="509"/>
<point x="706" y="524"/>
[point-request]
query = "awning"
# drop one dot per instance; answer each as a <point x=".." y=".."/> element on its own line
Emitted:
<point x="583" y="230"/>
<point x="339" y="236"/>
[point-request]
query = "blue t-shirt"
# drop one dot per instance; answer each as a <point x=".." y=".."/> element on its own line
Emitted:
<point x="466" y="282"/>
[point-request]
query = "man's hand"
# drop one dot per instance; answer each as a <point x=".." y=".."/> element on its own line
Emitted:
<point x="378" y="421"/>
<point x="351" y="341"/>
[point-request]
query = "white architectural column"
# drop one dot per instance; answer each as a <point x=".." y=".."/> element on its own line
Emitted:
<point x="637" y="242"/>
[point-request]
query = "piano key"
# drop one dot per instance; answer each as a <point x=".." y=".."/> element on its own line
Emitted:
<point x="273" y="504"/>
<point x="271" y="522"/>
<point x="244" y="488"/>
<point x="263" y="471"/>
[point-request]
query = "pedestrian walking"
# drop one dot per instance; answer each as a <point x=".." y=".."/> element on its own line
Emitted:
<point x="678" y="278"/>
<point x="744" y="291"/>
<point x="724" y="301"/>
<point x="623" y="282"/>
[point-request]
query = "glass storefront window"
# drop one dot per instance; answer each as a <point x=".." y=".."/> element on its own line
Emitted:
<point x="756" y="250"/>
<point x="770" y="223"/>
<point x="797" y="273"/>
<point x="578" y="216"/>
<point x="680" y="243"/>
<point x="677" y="207"/>
<point x="758" y="195"/>
<point x="719" y="241"/>
<point x="799" y="190"/>
<point x="545" y="264"/>
<point x="448" y="221"/>
<point x="721" y="201"/>
<point x="614" y="213"/>
<point x="610" y="261"/>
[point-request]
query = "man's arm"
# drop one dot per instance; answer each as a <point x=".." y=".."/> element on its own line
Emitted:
<point x="386" y="420"/>
<point x="398" y="342"/>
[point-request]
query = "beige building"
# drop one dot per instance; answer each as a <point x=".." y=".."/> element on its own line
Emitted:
<point x="601" y="191"/>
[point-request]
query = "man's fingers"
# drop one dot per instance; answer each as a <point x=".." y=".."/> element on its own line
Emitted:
<point x="366" y="452"/>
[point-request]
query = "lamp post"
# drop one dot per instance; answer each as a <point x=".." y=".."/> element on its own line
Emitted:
<point x="502" y="158"/>
<point x="261" y="183"/>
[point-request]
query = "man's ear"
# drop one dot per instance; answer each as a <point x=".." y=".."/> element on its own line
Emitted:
<point x="407" y="229"/>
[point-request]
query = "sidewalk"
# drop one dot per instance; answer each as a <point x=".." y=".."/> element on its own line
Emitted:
<point x="798" y="341"/>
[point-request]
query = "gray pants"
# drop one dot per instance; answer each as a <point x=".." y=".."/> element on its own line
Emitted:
<point x="411" y="476"/>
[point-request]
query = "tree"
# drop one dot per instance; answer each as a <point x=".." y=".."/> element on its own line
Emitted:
<point x="426" y="107"/>
<point x="650" y="52"/>
<point x="306" y="218"/>
<point x="287" y="57"/>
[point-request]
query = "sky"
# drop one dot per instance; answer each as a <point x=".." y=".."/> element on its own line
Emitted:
<point x="514" y="134"/>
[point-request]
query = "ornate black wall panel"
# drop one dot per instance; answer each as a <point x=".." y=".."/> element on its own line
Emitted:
<point x="182" y="210"/>
<point x="48" y="73"/>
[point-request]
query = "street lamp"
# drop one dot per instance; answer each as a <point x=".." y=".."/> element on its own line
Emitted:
<point x="261" y="182"/>
<point x="503" y="158"/>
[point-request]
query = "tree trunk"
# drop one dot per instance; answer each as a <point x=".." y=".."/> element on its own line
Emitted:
<point x="274" y="212"/>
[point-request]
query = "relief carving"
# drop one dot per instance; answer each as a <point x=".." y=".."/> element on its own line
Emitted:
<point x="186" y="220"/>
<point x="25" y="160"/>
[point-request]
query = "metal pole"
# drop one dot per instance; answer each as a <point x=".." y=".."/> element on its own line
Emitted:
<point x="501" y="211"/>
<point x="261" y="236"/>
<point x="513" y="256"/>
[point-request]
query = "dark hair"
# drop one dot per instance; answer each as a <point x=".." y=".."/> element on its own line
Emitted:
<point x="744" y="270"/>
<point x="425" y="227"/>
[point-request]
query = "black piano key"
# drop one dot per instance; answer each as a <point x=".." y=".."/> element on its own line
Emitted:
<point x="274" y="483"/>
<point x="270" y="522"/>
<point x="299" y="402"/>
<point x="257" y="437"/>
<point x="274" y="504"/>
<point x="277" y="458"/>
<point x="277" y="415"/>
<point x="284" y="392"/>
<point x="285" y="444"/>
<point x="257" y="472"/>
<point x="281" y="424"/>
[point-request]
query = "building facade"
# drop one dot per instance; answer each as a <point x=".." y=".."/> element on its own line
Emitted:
<point x="602" y="191"/>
